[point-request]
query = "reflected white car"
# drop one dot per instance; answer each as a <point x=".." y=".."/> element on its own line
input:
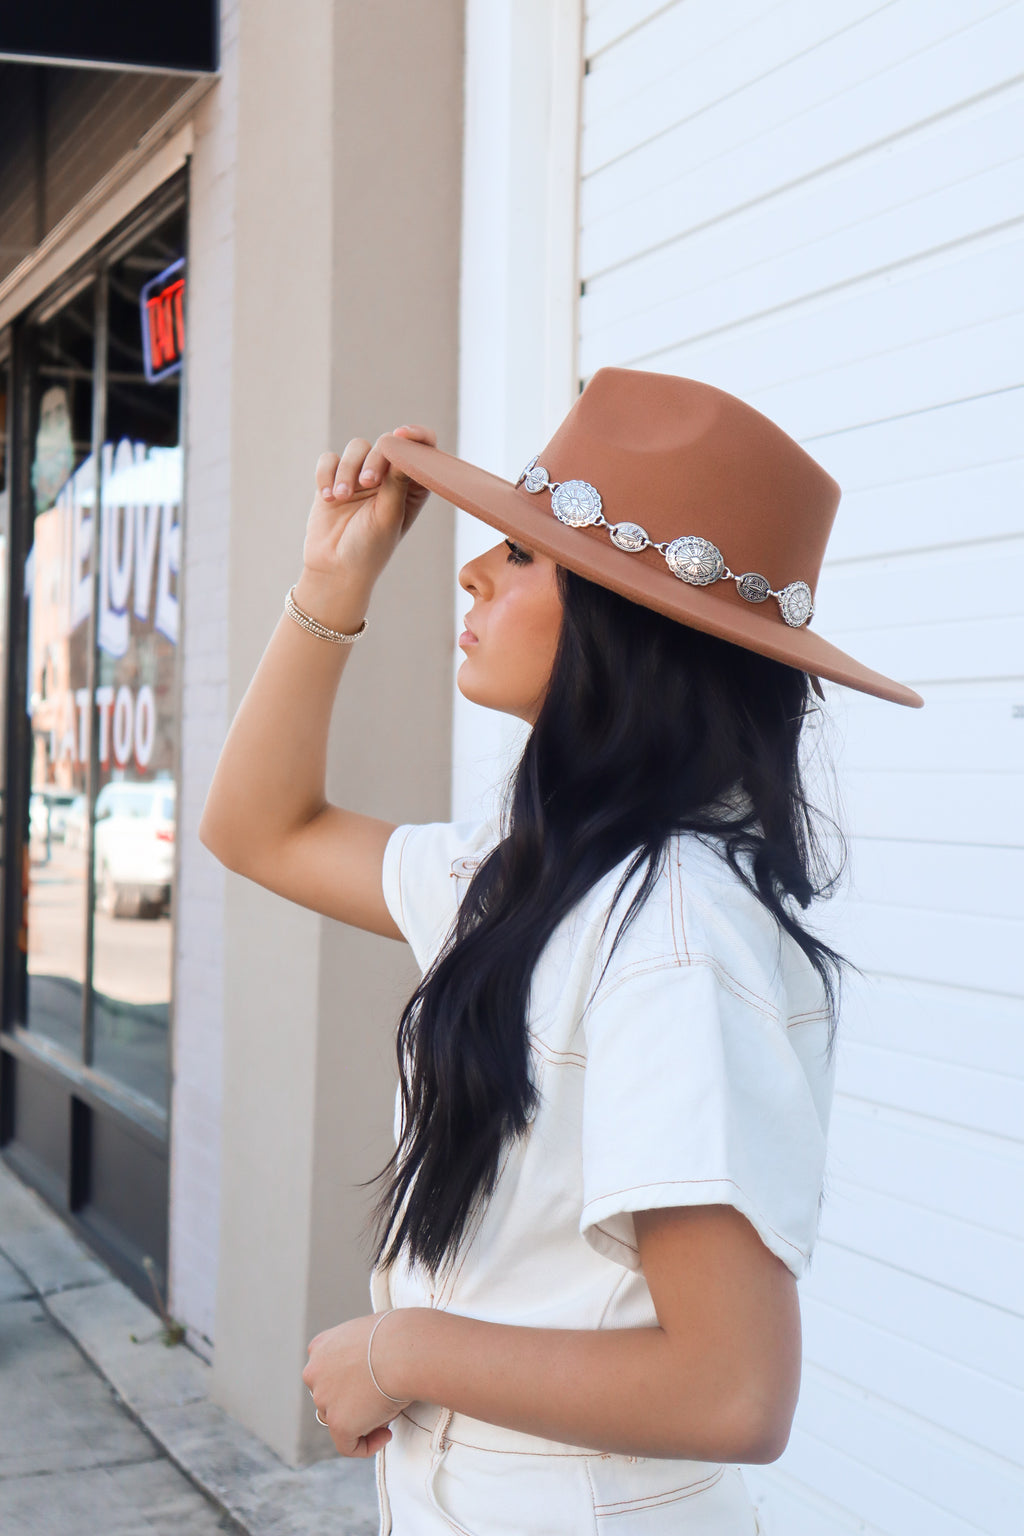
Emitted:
<point x="134" y="848"/>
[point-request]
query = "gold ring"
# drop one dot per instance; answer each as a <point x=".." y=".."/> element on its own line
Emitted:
<point x="320" y="1420"/>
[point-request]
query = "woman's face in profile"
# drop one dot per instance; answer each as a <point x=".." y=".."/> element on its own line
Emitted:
<point x="511" y="630"/>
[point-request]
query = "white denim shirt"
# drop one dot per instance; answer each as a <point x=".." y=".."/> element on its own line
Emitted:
<point x="694" y="1073"/>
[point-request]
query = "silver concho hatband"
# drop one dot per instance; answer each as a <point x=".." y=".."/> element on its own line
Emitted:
<point x="694" y="560"/>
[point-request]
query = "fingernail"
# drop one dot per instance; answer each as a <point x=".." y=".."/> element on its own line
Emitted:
<point x="327" y="494"/>
<point x="341" y="490"/>
<point x="368" y="476"/>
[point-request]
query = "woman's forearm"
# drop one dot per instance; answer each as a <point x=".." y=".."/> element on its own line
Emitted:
<point x="635" y="1392"/>
<point x="270" y="778"/>
<point x="271" y="773"/>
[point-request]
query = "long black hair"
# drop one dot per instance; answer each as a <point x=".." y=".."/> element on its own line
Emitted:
<point x="648" y="728"/>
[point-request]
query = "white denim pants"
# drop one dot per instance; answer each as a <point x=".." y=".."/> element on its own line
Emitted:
<point x="443" y="1473"/>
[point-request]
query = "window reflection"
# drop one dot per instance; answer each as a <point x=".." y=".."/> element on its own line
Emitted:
<point x="57" y="593"/>
<point x="5" y="504"/>
<point x="135" y="702"/>
<point x="104" y="724"/>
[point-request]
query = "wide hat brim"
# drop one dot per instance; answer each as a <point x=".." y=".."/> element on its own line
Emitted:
<point x="514" y="511"/>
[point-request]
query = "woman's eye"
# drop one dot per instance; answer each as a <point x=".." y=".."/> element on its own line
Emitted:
<point x="516" y="555"/>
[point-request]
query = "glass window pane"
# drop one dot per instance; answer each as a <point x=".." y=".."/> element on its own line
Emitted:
<point x="5" y="508"/>
<point x="137" y="635"/>
<point x="58" y="596"/>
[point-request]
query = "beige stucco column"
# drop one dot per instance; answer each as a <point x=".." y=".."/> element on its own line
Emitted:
<point x="344" y="322"/>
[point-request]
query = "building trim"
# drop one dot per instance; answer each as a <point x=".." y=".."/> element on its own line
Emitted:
<point x="518" y="371"/>
<point x="161" y="151"/>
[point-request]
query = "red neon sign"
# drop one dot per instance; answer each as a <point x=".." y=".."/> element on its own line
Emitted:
<point x="162" y="302"/>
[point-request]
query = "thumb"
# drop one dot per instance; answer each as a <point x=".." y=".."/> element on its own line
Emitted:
<point x="392" y="494"/>
<point x="377" y="1439"/>
<point x="400" y="496"/>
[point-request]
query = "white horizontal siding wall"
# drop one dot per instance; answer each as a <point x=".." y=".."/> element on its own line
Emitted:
<point x="821" y="209"/>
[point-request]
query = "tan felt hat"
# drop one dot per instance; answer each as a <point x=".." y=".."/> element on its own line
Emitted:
<point x="681" y="497"/>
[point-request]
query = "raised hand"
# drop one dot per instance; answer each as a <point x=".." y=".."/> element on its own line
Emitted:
<point x="362" y="508"/>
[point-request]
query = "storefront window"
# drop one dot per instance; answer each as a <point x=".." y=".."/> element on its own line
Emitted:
<point x="58" y="597"/>
<point x="137" y="637"/>
<point x="101" y="583"/>
<point x="90" y="585"/>
<point x="5" y="511"/>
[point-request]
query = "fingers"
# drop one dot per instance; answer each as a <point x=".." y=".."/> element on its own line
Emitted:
<point x="377" y="464"/>
<point x="326" y="469"/>
<point x="362" y="467"/>
<point x="417" y="434"/>
<point x="346" y="469"/>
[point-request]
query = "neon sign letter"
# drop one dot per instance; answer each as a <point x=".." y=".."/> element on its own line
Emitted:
<point x="162" y="302"/>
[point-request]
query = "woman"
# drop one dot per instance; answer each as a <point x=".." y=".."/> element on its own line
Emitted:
<point x="616" y="1070"/>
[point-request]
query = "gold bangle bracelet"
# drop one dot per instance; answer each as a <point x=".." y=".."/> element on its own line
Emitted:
<point x="314" y="627"/>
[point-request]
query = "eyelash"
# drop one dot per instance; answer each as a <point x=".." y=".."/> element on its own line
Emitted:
<point x="516" y="556"/>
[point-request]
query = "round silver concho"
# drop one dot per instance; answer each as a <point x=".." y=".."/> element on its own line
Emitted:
<point x="695" y="561"/>
<point x="535" y="476"/>
<point x="576" y="502"/>
<point x="796" y="604"/>
<point x="754" y="587"/>
<point x="629" y="536"/>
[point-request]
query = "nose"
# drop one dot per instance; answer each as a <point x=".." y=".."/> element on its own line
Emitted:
<point x="483" y="574"/>
<point x="469" y="576"/>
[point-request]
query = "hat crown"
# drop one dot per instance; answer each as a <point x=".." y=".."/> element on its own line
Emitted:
<point x="681" y="457"/>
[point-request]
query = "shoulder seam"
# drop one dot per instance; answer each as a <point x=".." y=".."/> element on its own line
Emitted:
<point x="694" y="961"/>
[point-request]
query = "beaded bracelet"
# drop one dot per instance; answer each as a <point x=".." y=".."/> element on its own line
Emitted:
<point x="314" y="626"/>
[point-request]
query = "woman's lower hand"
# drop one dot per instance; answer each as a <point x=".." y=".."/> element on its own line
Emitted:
<point x="339" y="1379"/>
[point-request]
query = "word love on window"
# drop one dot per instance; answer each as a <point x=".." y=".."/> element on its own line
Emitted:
<point x="140" y="544"/>
<point x="162" y="303"/>
<point x="136" y="540"/>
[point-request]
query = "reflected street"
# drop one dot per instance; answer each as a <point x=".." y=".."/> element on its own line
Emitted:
<point x="131" y="975"/>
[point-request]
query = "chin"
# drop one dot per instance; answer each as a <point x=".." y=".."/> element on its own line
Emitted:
<point x="473" y="692"/>
<point x="486" y="697"/>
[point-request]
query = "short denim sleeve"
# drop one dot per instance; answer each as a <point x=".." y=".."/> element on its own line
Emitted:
<point x="696" y="1093"/>
<point x="426" y="870"/>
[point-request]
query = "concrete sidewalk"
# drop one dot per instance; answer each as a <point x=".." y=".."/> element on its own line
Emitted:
<point x="103" y="1435"/>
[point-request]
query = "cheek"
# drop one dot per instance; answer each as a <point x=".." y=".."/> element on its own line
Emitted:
<point x="529" y="628"/>
<point x="512" y="667"/>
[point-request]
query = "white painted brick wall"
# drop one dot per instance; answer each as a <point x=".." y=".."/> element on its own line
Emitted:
<point x="199" y="916"/>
